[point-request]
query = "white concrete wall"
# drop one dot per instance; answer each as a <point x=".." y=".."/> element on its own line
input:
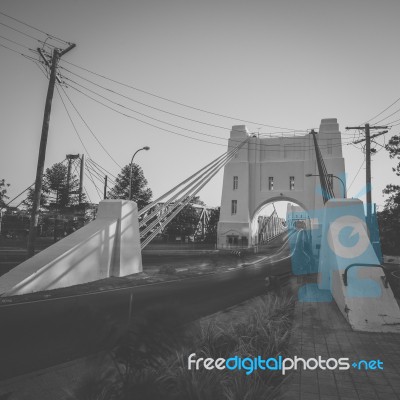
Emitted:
<point x="108" y="246"/>
<point x="364" y="302"/>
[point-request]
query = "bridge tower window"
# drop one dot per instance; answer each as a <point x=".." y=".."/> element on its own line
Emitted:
<point x="291" y="183"/>
<point x="271" y="183"/>
<point x="234" y="207"/>
<point x="329" y="146"/>
<point x="235" y="182"/>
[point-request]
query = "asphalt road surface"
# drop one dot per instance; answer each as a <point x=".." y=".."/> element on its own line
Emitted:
<point x="35" y="335"/>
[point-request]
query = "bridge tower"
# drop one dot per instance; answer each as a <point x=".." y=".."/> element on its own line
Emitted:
<point x="270" y="169"/>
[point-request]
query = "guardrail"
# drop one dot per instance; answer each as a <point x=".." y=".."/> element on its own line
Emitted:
<point x="384" y="279"/>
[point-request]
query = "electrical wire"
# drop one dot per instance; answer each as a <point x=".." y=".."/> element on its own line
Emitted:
<point x="179" y="103"/>
<point x="22" y="33"/>
<point x="36" y="29"/>
<point x="150" y="117"/>
<point x="72" y="122"/>
<point x="90" y="130"/>
<point x="384" y="110"/>
<point x="95" y="174"/>
<point x="101" y="175"/>
<point x="17" y="43"/>
<point x="94" y="183"/>
<point x="141" y="103"/>
<point x="9" y="48"/>
<point x="173" y="132"/>
<point x="99" y="166"/>
<point x="395" y="112"/>
<point x="356" y="175"/>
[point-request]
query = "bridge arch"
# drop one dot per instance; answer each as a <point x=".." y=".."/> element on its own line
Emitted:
<point x="276" y="199"/>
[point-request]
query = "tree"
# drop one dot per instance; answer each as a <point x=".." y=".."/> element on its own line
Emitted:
<point x="141" y="194"/>
<point x="389" y="218"/>
<point x="60" y="210"/>
<point x="3" y="192"/>
<point x="185" y="223"/>
<point x="57" y="193"/>
<point x="211" y="233"/>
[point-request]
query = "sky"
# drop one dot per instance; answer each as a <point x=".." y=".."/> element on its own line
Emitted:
<point x="286" y="63"/>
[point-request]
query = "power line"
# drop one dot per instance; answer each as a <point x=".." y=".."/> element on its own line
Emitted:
<point x="36" y="29"/>
<point x="9" y="48"/>
<point x="141" y="103"/>
<point x="101" y="174"/>
<point x="356" y="175"/>
<point x="90" y="130"/>
<point x="94" y="184"/>
<point x="150" y="117"/>
<point x="384" y="111"/>
<point x="94" y="173"/>
<point x="72" y="122"/>
<point x="22" y="33"/>
<point x="395" y="112"/>
<point x="176" y="102"/>
<point x="99" y="166"/>
<point x="98" y="174"/>
<point x="167" y="130"/>
<point x="19" y="44"/>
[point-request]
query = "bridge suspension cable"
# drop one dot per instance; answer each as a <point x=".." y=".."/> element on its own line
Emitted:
<point x="326" y="184"/>
<point x="186" y="190"/>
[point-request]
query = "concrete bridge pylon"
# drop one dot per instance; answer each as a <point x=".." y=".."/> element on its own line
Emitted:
<point x="108" y="246"/>
<point x="268" y="169"/>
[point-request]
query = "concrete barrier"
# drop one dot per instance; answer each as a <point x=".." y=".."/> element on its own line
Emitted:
<point x="107" y="246"/>
<point x="364" y="300"/>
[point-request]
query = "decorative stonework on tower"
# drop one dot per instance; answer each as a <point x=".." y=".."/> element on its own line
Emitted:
<point x="268" y="169"/>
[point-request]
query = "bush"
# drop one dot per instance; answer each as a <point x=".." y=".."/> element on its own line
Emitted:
<point x="258" y="327"/>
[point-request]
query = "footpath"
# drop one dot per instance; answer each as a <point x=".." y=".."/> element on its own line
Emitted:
<point x="321" y="330"/>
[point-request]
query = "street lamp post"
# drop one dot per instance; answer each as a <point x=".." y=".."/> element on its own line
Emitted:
<point x="333" y="176"/>
<point x="130" y="174"/>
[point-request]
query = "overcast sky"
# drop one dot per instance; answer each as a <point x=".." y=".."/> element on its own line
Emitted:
<point x="282" y="63"/>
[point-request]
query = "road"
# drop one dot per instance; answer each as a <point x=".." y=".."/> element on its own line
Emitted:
<point x="39" y="334"/>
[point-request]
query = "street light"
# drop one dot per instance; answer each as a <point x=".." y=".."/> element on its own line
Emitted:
<point x="130" y="174"/>
<point x="333" y="176"/>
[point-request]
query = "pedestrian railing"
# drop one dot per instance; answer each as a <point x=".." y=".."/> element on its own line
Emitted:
<point x="344" y="275"/>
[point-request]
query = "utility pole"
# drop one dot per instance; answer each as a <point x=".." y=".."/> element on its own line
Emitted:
<point x="81" y="172"/>
<point x="57" y="54"/>
<point x="368" y="186"/>
<point x="105" y="187"/>
<point x="70" y="157"/>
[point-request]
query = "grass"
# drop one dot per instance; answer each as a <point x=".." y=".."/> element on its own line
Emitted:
<point x="152" y="362"/>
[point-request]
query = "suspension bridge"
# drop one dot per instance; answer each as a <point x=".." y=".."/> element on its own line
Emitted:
<point x="257" y="171"/>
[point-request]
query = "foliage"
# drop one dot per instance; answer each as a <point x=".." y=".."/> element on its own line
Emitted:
<point x="141" y="194"/>
<point x="3" y="192"/>
<point x="185" y="223"/>
<point x="389" y="218"/>
<point x="152" y="361"/>
<point x="56" y="192"/>
<point x="211" y="234"/>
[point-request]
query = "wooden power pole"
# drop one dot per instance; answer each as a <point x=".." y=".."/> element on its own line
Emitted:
<point x="368" y="186"/>
<point x="105" y="187"/>
<point x="57" y="54"/>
